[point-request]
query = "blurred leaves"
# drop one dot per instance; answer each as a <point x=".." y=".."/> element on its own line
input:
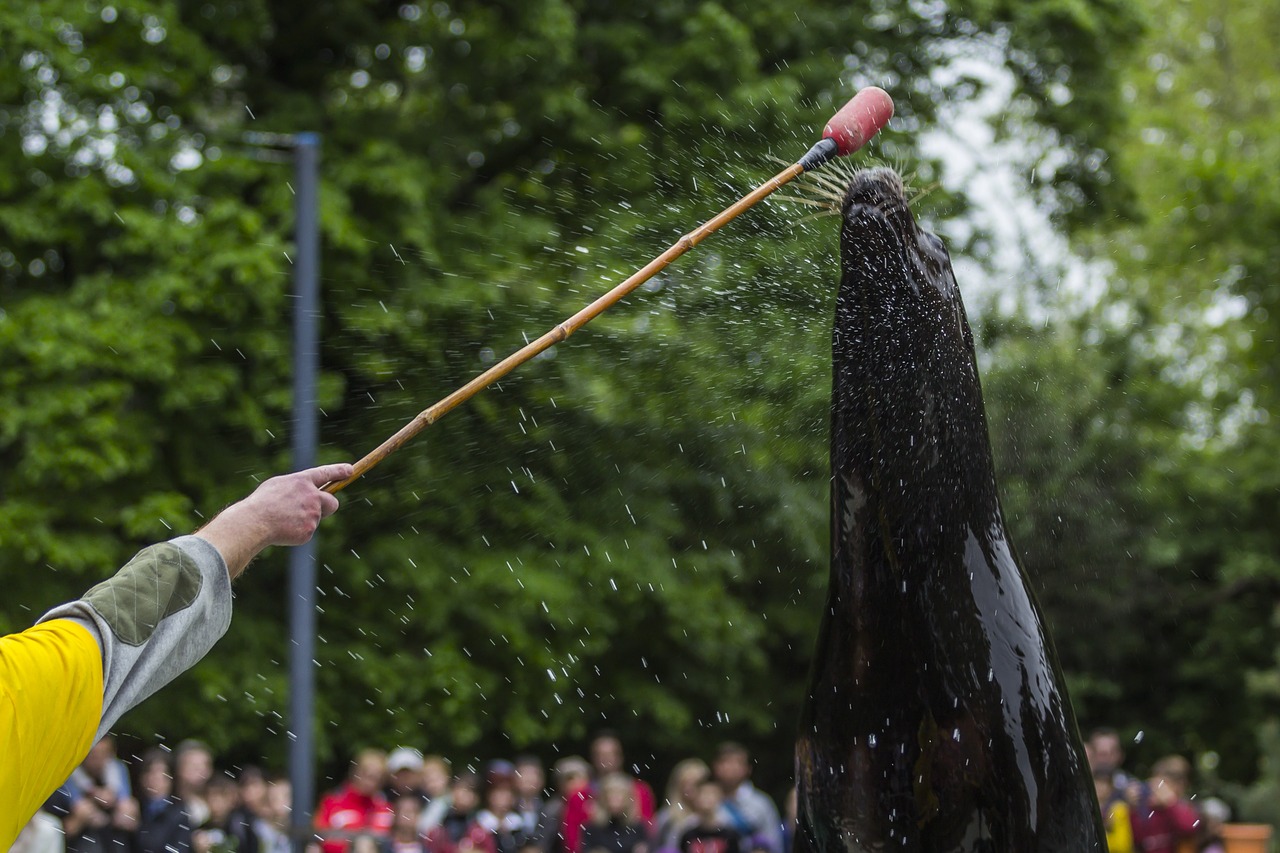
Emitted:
<point x="631" y="531"/>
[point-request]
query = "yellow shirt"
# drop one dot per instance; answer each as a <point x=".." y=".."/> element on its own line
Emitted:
<point x="1119" y="832"/>
<point x="50" y="707"/>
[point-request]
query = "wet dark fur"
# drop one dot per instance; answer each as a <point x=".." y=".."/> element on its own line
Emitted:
<point x="937" y="718"/>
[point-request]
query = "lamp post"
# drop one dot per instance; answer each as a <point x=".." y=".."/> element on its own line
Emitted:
<point x="302" y="561"/>
<point x="303" y="150"/>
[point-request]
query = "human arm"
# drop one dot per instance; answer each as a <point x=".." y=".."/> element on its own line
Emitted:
<point x="162" y="612"/>
<point x="65" y="681"/>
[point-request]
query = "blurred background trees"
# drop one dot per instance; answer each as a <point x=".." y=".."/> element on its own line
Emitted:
<point x="632" y="530"/>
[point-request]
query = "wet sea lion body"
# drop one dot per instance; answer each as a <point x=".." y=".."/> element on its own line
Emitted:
<point x="937" y="719"/>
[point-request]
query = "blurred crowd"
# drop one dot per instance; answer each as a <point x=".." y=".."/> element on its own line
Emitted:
<point x="405" y="802"/>
<point x="1155" y="814"/>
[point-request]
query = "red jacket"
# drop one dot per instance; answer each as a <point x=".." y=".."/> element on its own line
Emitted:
<point x="346" y="813"/>
<point x="1158" y="830"/>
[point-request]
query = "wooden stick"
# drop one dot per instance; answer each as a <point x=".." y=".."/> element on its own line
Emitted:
<point x="433" y="413"/>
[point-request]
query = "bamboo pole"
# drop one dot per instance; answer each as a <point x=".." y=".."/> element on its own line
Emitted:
<point x="433" y="413"/>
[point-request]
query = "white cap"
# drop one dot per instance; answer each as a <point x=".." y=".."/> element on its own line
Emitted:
<point x="404" y="758"/>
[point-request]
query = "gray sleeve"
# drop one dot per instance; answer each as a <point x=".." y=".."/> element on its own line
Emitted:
<point x="154" y="620"/>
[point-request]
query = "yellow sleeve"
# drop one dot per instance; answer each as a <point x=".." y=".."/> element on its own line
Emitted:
<point x="50" y="705"/>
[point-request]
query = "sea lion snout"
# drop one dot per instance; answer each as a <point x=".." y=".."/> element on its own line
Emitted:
<point x="879" y="188"/>
<point x="877" y="215"/>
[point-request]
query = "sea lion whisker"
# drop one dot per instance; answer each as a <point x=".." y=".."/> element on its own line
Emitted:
<point x="812" y="216"/>
<point x="812" y="202"/>
<point x="924" y="193"/>
<point x="827" y="179"/>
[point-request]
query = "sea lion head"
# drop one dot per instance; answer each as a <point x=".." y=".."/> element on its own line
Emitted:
<point x="906" y="383"/>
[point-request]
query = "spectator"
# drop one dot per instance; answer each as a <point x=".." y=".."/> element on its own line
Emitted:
<point x="273" y="831"/>
<point x="1213" y="814"/>
<point x="458" y="829"/>
<point x="357" y="808"/>
<point x="436" y="775"/>
<point x="676" y="816"/>
<point x="708" y="833"/>
<point x="531" y="804"/>
<point x="607" y="758"/>
<point x="164" y="824"/>
<point x="499" y="817"/>
<point x="1104" y="752"/>
<point x="252" y="811"/>
<point x="104" y="814"/>
<point x="573" y="780"/>
<point x="404" y="771"/>
<point x="746" y="809"/>
<point x="1115" y="813"/>
<point x="404" y="836"/>
<point x="192" y="770"/>
<point x="223" y="831"/>
<point x="155" y="783"/>
<point x="1161" y="817"/>
<point x="615" y="825"/>
<point x="436" y="779"/>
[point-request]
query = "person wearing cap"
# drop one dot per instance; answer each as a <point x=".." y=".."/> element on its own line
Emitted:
<point x="66" y="681"/>
<point x="404" y="776"/>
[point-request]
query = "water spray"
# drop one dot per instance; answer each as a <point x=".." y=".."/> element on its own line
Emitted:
<point x="847" y="131"/>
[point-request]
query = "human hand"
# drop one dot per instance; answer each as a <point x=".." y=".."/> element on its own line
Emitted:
<point x="88" y="814"/>
<point x="284" y="510"/>
<point x="288" y="508"/>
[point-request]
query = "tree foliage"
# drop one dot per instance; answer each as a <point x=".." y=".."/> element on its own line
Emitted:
<point x="630" y="531"/>
<point x="1139" y="439"/>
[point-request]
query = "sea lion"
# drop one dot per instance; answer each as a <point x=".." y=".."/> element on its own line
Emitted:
<point x="937" y="720"/>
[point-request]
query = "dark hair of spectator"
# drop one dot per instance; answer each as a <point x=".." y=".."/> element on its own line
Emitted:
<point x="155" y="755"/>
<point x="191" y="745"/>
<point x="1174" y="768"/>
<point x="729" y="748"/>
<point x="250" y="774"/>
<point x="222" y="784"/>
<point x="466" y="780"/>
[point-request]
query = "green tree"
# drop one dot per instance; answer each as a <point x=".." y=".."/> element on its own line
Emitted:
<point x="633" y="529"/>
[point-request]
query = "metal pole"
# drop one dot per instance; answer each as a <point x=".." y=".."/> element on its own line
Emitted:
<point x="302" y="564"/>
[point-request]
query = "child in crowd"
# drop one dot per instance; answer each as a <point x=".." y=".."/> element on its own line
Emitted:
<point x="458" y="832"/>
<point x="677" y="815"/>
<point x="614" y="825"/>
<point x="572" y="775"/>
<point x="223" y="831"/>
<point x="1163" y="820"/>
<point x="499" y="817"/>
<point x="404" y="836"/>
<point x="708" y="833"/>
